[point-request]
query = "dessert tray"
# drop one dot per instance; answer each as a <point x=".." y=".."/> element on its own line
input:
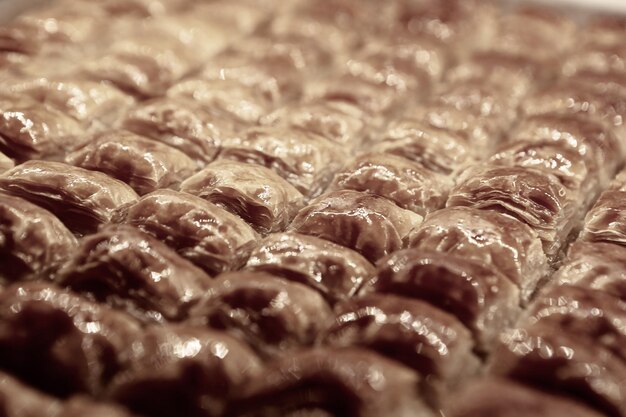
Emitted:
<point x="339" y="208"/>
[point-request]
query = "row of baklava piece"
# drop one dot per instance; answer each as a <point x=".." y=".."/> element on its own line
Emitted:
<point x="147" y="165"/>
<point x="236" y="89"/>
<point x="238" y="86"/>
<point x="65" y="344"/>
<point x="129" y="270"/>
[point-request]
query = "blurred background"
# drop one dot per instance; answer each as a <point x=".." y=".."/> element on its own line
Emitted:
<point x="10" y="8"/>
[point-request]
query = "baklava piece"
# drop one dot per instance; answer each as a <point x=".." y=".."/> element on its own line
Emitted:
<point x="335" y="271"/>
<point x="480" y="297"/>
<point x="601" y="150"/>
<point x="496" y="239"/>
<point x="530" y="195"/>
<point x="375" y="99"/>
<point x="60" y="342"/>
<point x="144" y="164"/>
<point x="606" y="221"/>
<point x="462" y="26"/>
<point x="596" y="60"/>
<point x="366" y="223"/>
<point x="349" y="15"/>
<point x="287" y="53"/>
<point x="182" y="370"/>
<point x="398" y="179"/>
<point x="50" y="29"/>
<point x="604" y="31"/>
<point x="132" y="271"/>
<point x="255" y="193"/>
<point x="412" y="332"/>
<point x="240" y="17"/>
<point x="439" y="150"/>
<point x="573" y="170"/>
<point x="149" y="59"/>
<point x="592" y="315"/>
<point x="94" y="105"/>
<point x="272" y="314"/>
<point x="535" y="34"/>
<point x="228" y="98"/>
<point x="331" y="382"/>
<point x="305" y="160"/>
<point x="553" y="360"/>
<point x="19" y="400"/>
<point x="181" y="124"/>
<point x="31" y="130"/>
<point x="210" y="237"/>
<point x="84" y="406"/>
<point x="33" y="242"/>
<point x="491" y="102"/>
<point x="579" y="100"/>
<point x="6" y="163"/>
<point x="132" y="8"/>
<point x="405" y="65"/>
<point x="597" y="266"/>
<point x="331" y="36"/>
<point x="81" y="199"/>
<point x="460" y="124"/>
<point x="340" y="122"/>
<point x="515" y="75"/>
<point x="265" y="82"/>
<point x="505" y="398"/>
